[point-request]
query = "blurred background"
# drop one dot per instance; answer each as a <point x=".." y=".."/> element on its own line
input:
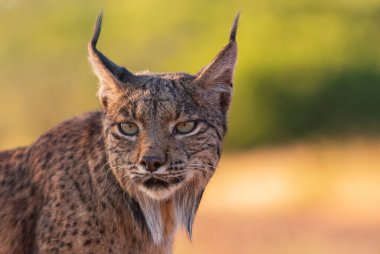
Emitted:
<point x="301" y="167"/>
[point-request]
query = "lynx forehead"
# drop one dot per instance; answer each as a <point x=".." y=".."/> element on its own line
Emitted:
<point x="120" y="180"/>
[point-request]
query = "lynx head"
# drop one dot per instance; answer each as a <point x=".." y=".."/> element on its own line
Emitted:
<point x="164" y="131"/>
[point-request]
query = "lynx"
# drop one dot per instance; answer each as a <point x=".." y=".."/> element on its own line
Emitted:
<point x="121" y="180"/>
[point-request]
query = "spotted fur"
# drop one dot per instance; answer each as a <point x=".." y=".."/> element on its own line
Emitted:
<point x="84" y="187"/>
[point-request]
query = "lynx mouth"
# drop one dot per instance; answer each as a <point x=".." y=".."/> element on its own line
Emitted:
<point x="160" y="189"/>
<point x="155" y="183"/>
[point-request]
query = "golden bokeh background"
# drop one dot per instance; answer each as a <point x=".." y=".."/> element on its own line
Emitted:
<point x="301" y="168"/>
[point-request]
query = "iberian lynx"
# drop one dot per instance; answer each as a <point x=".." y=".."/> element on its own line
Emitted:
<point x="120" y="180"/>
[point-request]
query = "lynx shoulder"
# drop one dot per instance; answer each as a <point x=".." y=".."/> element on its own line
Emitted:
<point x="120" y="180"/>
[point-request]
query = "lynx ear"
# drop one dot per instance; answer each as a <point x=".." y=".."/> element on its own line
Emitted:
<point x="217" y="77"/>
<point x="112" y="77"/>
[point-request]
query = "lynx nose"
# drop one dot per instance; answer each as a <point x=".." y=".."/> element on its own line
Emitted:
<point x="151" y="163"/>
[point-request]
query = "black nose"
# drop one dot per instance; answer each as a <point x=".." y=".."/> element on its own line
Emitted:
<point x="151" y="163"/>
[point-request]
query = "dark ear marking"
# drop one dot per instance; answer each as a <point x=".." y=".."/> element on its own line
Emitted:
<point x="97" y="29"/>
<point x="111" y="76"/>
<point x="120" y="73"/>
<point x="220" y="70"/>
<point x="217" y="77"/>
<point x="234" y="27"/>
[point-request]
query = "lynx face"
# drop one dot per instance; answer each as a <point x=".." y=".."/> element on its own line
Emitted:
<point x="164" y="131"/>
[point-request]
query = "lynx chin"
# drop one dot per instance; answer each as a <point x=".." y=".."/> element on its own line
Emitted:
<point x="123" y="179"/>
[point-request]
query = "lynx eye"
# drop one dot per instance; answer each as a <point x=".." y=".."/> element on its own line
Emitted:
<point x="185" y="127"/>
<point x="128" y="129"/>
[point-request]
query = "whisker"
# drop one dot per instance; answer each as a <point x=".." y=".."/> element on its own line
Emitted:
<point x="172" y="176"/>
<point x="132" y="181"/>
<point x="202" y="169"/>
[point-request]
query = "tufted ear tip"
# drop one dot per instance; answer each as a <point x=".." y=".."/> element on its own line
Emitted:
<point x="110" y="75"/>
<point x="234" y="27"/>
<point x="221" y="69"/>
<point x="217" y="77"/>
<point x="97" y="29"/>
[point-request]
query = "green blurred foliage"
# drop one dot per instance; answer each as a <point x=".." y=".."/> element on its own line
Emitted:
<point x="305" y="68"/>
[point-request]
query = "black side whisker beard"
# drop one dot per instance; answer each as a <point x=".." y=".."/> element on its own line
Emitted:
<point x="186" y="202"/>
<point x="151" y="210"/>
<point x="185" y="198"/>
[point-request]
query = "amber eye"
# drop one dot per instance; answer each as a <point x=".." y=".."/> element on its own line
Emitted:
<point x="185" y="127"/>
<point x="128" y="129"/>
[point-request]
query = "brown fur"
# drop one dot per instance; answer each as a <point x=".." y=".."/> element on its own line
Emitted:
<point x="80" y="188"/>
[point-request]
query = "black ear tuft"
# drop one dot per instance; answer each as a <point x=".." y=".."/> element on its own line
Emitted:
<point x="217" y="77"/>
<point x="111" y="76"/>
<point x="97" y="58"/>
<point x="221" y="69"/>
<point x="97" y="29"/>
<point x="234" y="27"/>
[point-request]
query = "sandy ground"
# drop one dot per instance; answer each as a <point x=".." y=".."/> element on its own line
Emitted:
<point x="313" y="198"/>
